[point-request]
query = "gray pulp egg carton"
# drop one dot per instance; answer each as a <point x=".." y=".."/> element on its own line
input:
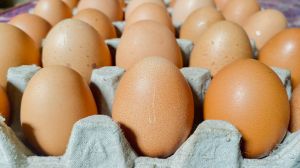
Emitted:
<point x="97" y="141"/>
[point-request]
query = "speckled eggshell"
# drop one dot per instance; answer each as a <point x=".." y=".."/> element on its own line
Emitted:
<point x="249" y="95"/>
<point x="36" y="27"/>
<point x="295" y="110"/>
<point x="150" y="11"/>
<point x="54" y="99"/>
<point x="111" y="8"/>
<point x="183" y="8"/>
<point x="221" y="44"/>
<point x="147" y="38"/>
<point x="52" y="10"/>
<point x="154" y="106"/>
<point x="16" y="49"/>
<point x="263" y="25"/>
<point x="77" y="45"/>
<point x="98" y="21"/>
<point x="133" y="4"/>
<point x="239" y="11"/>
<point x="199" y="21"/>
<point x="71" y="3"/>
<point x="283" y="50"/>
<point x="4" y="105"/>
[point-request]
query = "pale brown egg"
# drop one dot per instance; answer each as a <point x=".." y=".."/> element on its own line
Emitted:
<point x="122" y="3"/>
<point x="239" y="11"/>
<point x="4" y="105"/>
<point x="98" y="21"/>
<point x="52" y="10"/>
<point x="183" y="8"/>
<point x="263" y="25"/>
<point x="147" y="38"/>
<point x="36" y="27"/>
<point x="154" y="106"/>
<point x="199" y="21"/>
<point x="150" y="11"/>
<point x="16" y="49"/>
<point x="249" y="95"/>
<point x="133" y="4"/>
<point x="111" y="8"/>
<point x="221" y="44"/>
<point x="71" y="3"/>
<point x="220" y="4"/>
<point x="172" y="3"/>
<point x="77" y="45"/>
<point x="283" y="50"/>
<point x="55" y="98"/>
<point x="295" y="110"/>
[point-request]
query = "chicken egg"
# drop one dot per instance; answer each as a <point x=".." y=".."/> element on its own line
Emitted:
<point x="77" y="45"/>
<point x="52" y="10"/>
<point x="4" y="105"/>
<point x="221" y="44"/>
<point x="99" y="21"/>
<point x="249" y="95"/>
<point x="133" y="4"/>
<point x="71" y="3"/>
<point x="295" y="110"/>
<point x="55" y="98"/>
<point x="154" y="106"/>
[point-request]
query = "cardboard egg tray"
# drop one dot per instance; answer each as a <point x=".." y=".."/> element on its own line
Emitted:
<point x="97" y="141"/>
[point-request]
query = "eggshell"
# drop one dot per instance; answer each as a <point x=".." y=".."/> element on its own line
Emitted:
<point x="133" y="4"/>
<point x="110" y="8"/>
<point x="263" y="25"/>
<point x="75" y="44"/>
<point x="122" y="3"/>
<point x="4" y="105"/>
<point x="54" y="99"/>
<point x="249" y="95"/>
<point x="52" y="10"/>
<point x="220" y="4"/>
<point x="16" y="49"/>
<point x="239" y="11"/>
<point x="183" y="8"/>
<point x="71" y="3"/>
<point x="221" y="44"/>
<point x="199" y="21"/>
<point x="154" y="106"/>
<point x="283" y="50"/>
<point x="172" y="3"/>
<point x="295" y="110"/>
<point x="147" y="38"/>
<point x="150" y="11"/>
<point x="35" y="26"/>
<point x="98" y="21"/>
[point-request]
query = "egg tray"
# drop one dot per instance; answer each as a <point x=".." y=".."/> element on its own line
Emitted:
<point x="97" y="141"/>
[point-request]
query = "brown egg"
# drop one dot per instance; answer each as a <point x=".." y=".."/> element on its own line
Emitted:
<point x="199" y="21"/>
<point x="183" y="8"/>
<point x="98" y="21"/>
<point x="144" y="39"/>
<point x="239" y="11"/>
<point x="221" y="4"/>
<point x="75" y="44"/>
<point x="295" y="110"/>
<point x="261" y="28"/>
<point x="4" y="105"/>
<point x="54" y="99"/>
<point x="35" y="26"/>
<point x="150" y="11"/>
<point x="52" y="10"/>
<point x="283" y="51"/>
<point x="110" y="8"/>
<point x="221" y="44"/>
<point x="71" y="3"/>
<point x="154" y="105"/>
<point x="133" y="4"/>
<point x="249" y="95"/>
<point x="16" y="49"/>
<point x="172" y="3"/>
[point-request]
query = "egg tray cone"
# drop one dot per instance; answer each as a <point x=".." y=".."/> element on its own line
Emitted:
<point x="97" y="141"/>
